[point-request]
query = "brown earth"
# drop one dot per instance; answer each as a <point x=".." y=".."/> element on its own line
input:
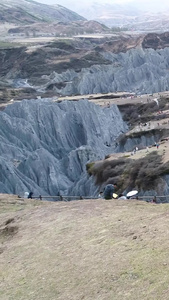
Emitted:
<point x="59" y="29"/>
<point x="88" y="249"/>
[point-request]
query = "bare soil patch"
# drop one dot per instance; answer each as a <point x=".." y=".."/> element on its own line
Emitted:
<point x="88" y="249"/>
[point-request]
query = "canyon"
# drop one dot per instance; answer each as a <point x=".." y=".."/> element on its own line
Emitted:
<point x="48" y="136"/>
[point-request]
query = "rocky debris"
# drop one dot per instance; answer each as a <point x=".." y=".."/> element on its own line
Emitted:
<point x="52" y="142"/>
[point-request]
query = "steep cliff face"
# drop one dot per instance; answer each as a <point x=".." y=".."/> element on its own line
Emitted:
<point x="137" y="70"/>
<point x="44" y="146"/>
<point x="141" y="139"/>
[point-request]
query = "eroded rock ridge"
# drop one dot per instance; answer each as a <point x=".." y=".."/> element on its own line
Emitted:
<point x="45" y="145"/>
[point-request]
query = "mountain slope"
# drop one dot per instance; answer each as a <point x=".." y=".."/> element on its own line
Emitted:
<point x="60" y="28"/>
<point x="28" y="12"/>
<point x="44" y="146"/>
<point x="109" y="14"/>
<point x="69" y="67"/>
<point x="135" y="15"/>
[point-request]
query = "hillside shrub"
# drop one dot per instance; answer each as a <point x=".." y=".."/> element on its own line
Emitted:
<point x="143" y="173"/>
<point x="142" y="111"/>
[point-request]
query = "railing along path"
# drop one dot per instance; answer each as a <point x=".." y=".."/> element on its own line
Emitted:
<point x="157" y="199"/>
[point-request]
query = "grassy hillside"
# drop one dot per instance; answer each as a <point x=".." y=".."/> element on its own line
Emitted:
<point x="28" y="12"/>
<point x="89" y="249"/>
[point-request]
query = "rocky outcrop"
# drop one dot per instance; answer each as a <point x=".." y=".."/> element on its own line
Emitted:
<point x="141" y="139"/>
<point x="73" y="67"/>
<point x="44" y="146"/>
<point x="137" y="70"/>
<point x="162" y="189"/>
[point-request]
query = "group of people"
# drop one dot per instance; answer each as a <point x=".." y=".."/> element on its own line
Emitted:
<point x="28" y="195"/>
<point x="109" y="191"/>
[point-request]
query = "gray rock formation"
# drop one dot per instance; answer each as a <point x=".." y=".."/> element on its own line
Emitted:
<point x="137" y="70"/>
<point x="141" y="140"/>
<point x="44" y="146"/>
<point x="162" y="189"/>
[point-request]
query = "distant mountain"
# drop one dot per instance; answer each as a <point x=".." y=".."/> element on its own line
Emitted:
<point x="28" y="12"/>
<point x="131" y="15"/>
<point x="135" y="15"/>
<point x="108" y="14"/>
<point x="151" y="22"/>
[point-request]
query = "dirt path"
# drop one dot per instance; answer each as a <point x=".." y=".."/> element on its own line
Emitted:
<point x="118" y="98"/>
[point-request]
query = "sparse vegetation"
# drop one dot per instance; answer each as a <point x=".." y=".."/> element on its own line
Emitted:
<point x="143" y="112"/>
<point x="89" y="167"/>
<point x="90" y="249"/>
<point x="142" y="173"/>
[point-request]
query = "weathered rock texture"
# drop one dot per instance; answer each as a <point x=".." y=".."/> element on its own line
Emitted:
<point x="141" y="139"/>
<point x="137" y="70"/>
<point x="44" y="146"/>
<point x="73" y="67"/>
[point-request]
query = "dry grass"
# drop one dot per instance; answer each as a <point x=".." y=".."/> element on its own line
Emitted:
<point x="89" y="249"/>
<point x="163" y="150"/>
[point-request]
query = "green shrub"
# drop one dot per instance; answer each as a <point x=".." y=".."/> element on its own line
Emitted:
<point x="89" y="168"/>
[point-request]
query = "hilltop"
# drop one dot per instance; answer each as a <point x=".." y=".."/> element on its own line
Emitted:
<point x="28" y="12"/>
<point x="83" y="250"/>
<point x="132" y="15"/>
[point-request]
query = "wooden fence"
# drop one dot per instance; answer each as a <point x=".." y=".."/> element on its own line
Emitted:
<point x="151" y="198"/>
